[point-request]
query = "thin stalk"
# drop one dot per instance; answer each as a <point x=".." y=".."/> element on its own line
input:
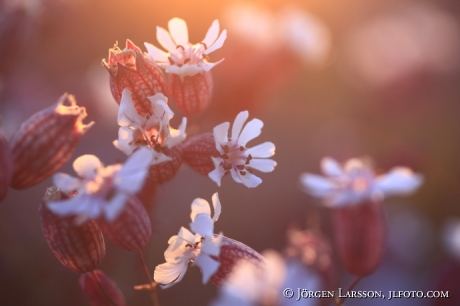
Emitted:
<point x="153" y="292"/>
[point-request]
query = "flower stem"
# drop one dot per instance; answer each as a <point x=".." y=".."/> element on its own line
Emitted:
<point x="355" y="282"/>
<point x="98" y="281"/>
<point x="153" y="292"/>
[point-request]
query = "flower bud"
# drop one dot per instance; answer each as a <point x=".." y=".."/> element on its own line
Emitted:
<point x="131" y="230"/>
<point x="46" y="141"/>
<point x="192" y="94"/>
<point x="231" y="252"/>
<point x="6" y="167"/>
<point x="165" y="171"/>
<point x="131" y="69"/>
<point x="79" y="247"/>
<point x="360" y="234"/>
<point x="198" y="151"/>
<point x="100" y="290"/>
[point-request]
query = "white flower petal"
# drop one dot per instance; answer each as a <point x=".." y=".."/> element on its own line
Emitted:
<point x="179" y="32"/>
<point x="82" y="204"/>
<point x="238" y="124"/>
<point x="331" y="167"/>
<point x="86" y="166"/>
<point x="250" y="131"/>
<point x="200" y="206"/>
<point x="127" y="113"/>
<point x="266" y="149"/>
<point x="212" y="34"/>
<point x="249" y="179"/>
<point x="235" y="176"/>
<point x="317" y="185"/>
<point x="212" y="246"/>
<point x="169" y="274"/>
<point x="186" y="235"/>
<point x="220" y="135"/>
<point x="176" y="136"/>
<point x="125" y="141"/>
<point x="66" y="183"/>
<point x="156" y="54"/>
<point x="116" y="205"/>
<point x="159" y="158"/>
<point x="206" y="66"/>
<point x="130" y="178"/>
<point x="218" y="44"/>
<point x="263" y="165"/>
<point x="216" y="174"/>
<point x="165" y="39"/>
<point x="203" y="225"/>
<point x="217" y="207"/>
<point x="208" y="266"/>
<point x="399" y="180"/>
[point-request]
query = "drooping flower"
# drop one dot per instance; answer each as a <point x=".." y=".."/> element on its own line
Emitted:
<point x="202" y="248"/>
<point x="216" y="255"/>
<point x="57" y="128"/>
<point x="235" y="157"/>
<point x="153" y="132"/>
<point x="355" y="192"/>
<point x="101" y="191"/>
<point x="356" y="182"/>
<point x="131" y="69"/>
<point x="182" y="57"/>
<point x="190" y="80"/>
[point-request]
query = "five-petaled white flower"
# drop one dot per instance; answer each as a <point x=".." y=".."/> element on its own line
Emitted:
<point x="356" y="182"/>
<point x="101" y="191"/>
<point x="151" y="131"/>
<point x="202" y="248"/>
<point x="235" y="157"/>
<point x="184" y="58"/>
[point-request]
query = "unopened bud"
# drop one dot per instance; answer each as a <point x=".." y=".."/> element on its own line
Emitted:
<point x="198" y="151"/>
<point x="79" y="247"/>
<point x="131" y="69"/>
<point x="100" y="290"/>
<point x="46" y="141"/>
<point x="131" y="230"/>
<point x="192" y="94"/>
<point x="360" y="234"/>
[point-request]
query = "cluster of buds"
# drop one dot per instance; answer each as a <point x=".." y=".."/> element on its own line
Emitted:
<point x="355" y="193"/>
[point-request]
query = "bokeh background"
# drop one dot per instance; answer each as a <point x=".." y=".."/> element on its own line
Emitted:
<point x="344" y="79"/>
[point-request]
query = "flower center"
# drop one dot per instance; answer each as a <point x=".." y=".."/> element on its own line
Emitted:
<point x="236" y="157"/>
<point x="188" y="55"/>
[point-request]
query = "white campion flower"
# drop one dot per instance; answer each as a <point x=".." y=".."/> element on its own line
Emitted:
<point x="182" y="57"/>
<point x="152" y="131"/>
<point x="101" y="191"/>
<point x="355" y="182"/>
<point x="235" y="157"/>
<point x="202" y="248"/>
